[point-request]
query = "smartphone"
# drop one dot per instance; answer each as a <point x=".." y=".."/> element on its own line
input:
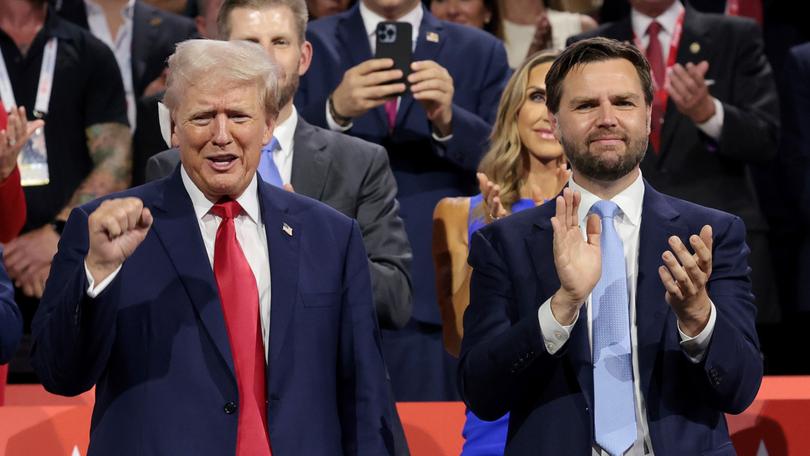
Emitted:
<point x="395" y="41"/>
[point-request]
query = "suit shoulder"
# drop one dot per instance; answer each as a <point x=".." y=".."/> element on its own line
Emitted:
<point x="469" y="35"/>
<point x="325" y="25"/>
<point x="697" y="216"/>
<point x="351" y="146"/>
<point x="308" y="207"/>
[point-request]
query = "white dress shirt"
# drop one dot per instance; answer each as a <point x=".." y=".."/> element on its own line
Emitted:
<point x="555" y="335"/>
<point x="668" y="19"/>
<point x="283" y="155"/>
<point x="250" y="234"/>
<point x="121" y="46"/>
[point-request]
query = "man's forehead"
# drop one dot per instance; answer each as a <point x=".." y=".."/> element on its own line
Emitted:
<point x="599" y="76"/>
<point x="221" y="93"/>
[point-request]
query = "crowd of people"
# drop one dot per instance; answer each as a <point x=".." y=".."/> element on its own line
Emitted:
<point x="462" y="194"/>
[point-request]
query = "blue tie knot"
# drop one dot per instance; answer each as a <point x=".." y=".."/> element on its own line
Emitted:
<point x="271" y="146"/>
<point x="605" y="209"/>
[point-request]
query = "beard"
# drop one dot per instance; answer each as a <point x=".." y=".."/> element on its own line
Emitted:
<point x="287" y="90"/>
<point x="594" y="164"/>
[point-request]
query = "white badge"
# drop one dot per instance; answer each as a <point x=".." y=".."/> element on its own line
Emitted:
<point x="33" y="161"/>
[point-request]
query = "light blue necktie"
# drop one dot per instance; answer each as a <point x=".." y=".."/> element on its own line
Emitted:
<point x="267" y="167"/>
<point x="614" y="408"/>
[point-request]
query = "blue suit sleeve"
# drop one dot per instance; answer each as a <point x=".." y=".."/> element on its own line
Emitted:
<point x="73" y="334"/>
<point x="368" y="415"/>
<point x="10" y="318"/>
<point x="471" y="128"/>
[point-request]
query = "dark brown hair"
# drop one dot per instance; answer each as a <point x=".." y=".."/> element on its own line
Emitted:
<point x="595" y="50"/>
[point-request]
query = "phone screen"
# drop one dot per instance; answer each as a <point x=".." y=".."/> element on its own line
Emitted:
<point x="395" y="41"/>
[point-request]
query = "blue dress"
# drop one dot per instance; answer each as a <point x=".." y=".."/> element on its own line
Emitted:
<point x="486" y="438"/>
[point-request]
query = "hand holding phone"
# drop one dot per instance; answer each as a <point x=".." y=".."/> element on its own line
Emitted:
<point x="395" y="42"/>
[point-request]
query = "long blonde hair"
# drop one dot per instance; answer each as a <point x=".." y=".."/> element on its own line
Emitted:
<point x="505" y="162"/>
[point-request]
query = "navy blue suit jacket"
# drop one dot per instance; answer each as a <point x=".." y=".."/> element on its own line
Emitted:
<point x="506" y="368"/>
<point x="425" y="170"/>
<point x="10" y="318"/>
<point x="155" y="342"/>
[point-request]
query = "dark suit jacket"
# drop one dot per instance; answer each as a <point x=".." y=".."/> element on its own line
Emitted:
<point x="154" y="36"/>
<point x="353" y="177"/>
<point x="10" y="318"/>
<point x="425" y="170"/>
<point x="693" y="166"/>
<point x="505" y="367"/>
<point x="155" y="342"/>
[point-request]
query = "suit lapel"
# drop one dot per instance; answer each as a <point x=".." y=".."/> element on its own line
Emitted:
<point x="142" y="34"/>
<point x="539" y="244"/>
<point x="177" y="228"/>
<point x="658" y="223"/>
<point x="310" y="161"/>
<point x="428" y="44"/>
<point x="693" y="48"/>
<point x="351" y="33"/>
<point x="283" y="234"/>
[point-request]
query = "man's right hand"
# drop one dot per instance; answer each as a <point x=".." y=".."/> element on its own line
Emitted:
<point x="116" y="229"/>
<point x="578" y="261"/>
<point x="13" y="139"/>
<point x="364" y="87"/>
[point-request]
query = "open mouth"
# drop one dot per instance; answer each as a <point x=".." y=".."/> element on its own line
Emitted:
<point x="222" y="162"/>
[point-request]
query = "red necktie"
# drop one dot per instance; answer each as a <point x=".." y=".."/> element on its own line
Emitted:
<point x="240" y="305"/>
<point x="655" y="56"/>
<point x="391" y="113"/>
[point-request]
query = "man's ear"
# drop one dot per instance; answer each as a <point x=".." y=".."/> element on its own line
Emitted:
<point x="306" y="58"/>
<point x="555" y="126"/>
<point x="268" y="132"/>
<point x="649" y="120"/>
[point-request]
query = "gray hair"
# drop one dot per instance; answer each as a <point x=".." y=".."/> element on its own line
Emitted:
<point x="214" y="63"/>
<point x="298" y="8"/>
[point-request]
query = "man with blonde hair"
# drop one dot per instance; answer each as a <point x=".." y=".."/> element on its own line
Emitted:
<point x="214" y="313"/>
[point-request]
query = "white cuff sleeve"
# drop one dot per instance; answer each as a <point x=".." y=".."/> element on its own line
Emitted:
<point x="714" y="126"/>
<point x="442" y="139"/>
<point x="334" y="126"/>
<point x="695" y="347"/>
<point x="94" y="290"/>
<point x="555" y="335"/>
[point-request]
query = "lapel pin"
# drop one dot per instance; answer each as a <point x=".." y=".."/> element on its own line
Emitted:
<point x="155" y="21"/>
<point x="694" y="48"/>
<point x="433" y="37"/>
<point x="287" y="229"/>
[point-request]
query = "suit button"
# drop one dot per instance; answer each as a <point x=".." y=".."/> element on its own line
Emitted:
<point x="230" y="408"/>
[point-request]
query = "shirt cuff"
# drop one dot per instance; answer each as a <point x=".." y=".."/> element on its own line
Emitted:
<point x="695" y="347"/>
<point x="94" y="290"/>
<point x="555" y="335"/>
<point x="442" y="139"/>
<point x="713" y="127"/>
<point x="330" y="121"/>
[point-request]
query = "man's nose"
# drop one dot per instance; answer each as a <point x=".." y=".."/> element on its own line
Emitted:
<point x="222" y="136"/>
<point x="607" y="114"/>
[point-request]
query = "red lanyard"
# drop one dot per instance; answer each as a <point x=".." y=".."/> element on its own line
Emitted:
<point x="661" y="95"/>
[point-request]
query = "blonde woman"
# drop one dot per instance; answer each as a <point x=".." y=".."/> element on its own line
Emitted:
<point x="524" y="167"/>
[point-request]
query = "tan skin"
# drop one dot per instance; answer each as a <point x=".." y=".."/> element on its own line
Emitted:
<point x="28" y="257"/>
<point x="533" y="12"/>
<point x="220" y="129"/>
<point x="368" y="85"/>
<point x="545" y="176"/>
<point x="607" y="97"/>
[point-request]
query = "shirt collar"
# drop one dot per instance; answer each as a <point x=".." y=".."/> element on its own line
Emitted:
<point x="371" y="19"/>
<point x="284" y="132"/>
<point x="629" y="200"/>
<point x="667" y="19"/>
<point x="249" y="199"/>
<point x="94" y="8"/>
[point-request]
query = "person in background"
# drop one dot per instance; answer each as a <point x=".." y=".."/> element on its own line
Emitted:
<point x="15" y="132"/>
<point x="524" y="167"/>
<point x="86" y="137"/>
<point x="482" y="14"/>
<point x="435" y="132"/>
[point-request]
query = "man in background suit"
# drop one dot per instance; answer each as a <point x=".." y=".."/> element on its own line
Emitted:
<point x="346" y="173"/>
<point x="278" y="347"/>
<point x="590" y="320"/>
<point x="435" y="135"/>
<point x="721" y="118"/>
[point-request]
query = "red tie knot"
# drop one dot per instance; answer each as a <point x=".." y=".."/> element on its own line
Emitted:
<point x="653" y="29"/>
<point x="226" y="209"/>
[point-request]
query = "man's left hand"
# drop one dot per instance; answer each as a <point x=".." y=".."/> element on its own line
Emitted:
<point x="432" y="86"/>
<point x="688" y="90"/>
<point x="27" y="256"/>
<point x="684" y="276"/>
